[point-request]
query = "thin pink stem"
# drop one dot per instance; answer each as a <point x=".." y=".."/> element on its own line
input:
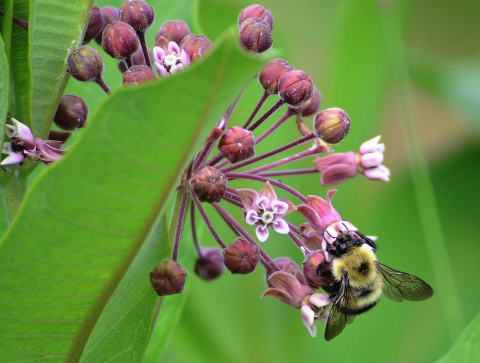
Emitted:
<point x="245" y="234"/>
<point x="263" y="179"/>
<point x="102" y="84"/>
<point x="207" y="221"/>
<point x="267" y="114"/>
<point x="274" y="126"/>
<point x="299" y="243"/>
<point x="193" y="224"/>
<point x="22" y="23"/>
<point x="288" y="172"/>
<point x="270" y="153"/>
<point x="178" y="230"/>
<point x="257" y="108"/>
<point x="143" y="43"/>
<point x="301" y="155"/>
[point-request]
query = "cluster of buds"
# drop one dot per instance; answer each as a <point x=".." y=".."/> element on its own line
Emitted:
<point x="209" y="177"/>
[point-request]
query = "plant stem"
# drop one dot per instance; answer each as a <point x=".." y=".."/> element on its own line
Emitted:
<point x="263" y="179"/>
<point x="288" y="172"/>
<point x="207" y="221"/>
<point x="266" y="115"/>
<point x="179" y="227"/>
<point x="14" y="186"/>
<point x="301" y="155"/>
<point x="257" y="108"/>
<point x="193" y="224"/>
<point x="428" y="212"/>
<point x="22" y="23"/>
<point x="274" y="126"/>
<point x="102" y="84"/>
<point x="143" y="43"/>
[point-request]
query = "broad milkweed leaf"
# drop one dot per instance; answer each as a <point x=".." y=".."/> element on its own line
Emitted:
<point x="55" y="28"/>
<point x="467" y="347"/>
<point x="87" y="215"/>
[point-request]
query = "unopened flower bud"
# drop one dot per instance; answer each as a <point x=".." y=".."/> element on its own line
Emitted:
<point x="119" y="40"/>
<point x="210" y="265"/>
<point x="256" y="11"/>
<point x="138" y="74"/>
<point x="209" y="184"/>
<point x="317" y="271"/>
<point x="95" y="24"/>
<point x="332" y="125"/>
<point x="313" y="241"/>
<point x="237" y="144"/>
<point x="168" y="278"/>
<point x="195" y="46"/>
<point x="256" y="35"/>
<point x="241" y="257"/>
<point x="138" y="14"/>
<point x="295" y="88"/>
<point x="272" y="72"/>
<point x="173" y="30"/>
<point x="311" y="106"/>
<point x="85" y="64"/>
<point x="71" y="113"/>
<point x="109" y="14"/>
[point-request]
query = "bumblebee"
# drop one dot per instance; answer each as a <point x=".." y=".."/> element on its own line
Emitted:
<point x="358" y="280"/>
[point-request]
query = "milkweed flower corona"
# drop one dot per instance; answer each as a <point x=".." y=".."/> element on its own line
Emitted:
<point x="340" y="276"/>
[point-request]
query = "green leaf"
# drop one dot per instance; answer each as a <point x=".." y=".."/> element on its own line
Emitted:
<point x="4" y="88"/>
<point x="55" y="28"/>
<point x="122" y="331"/>
<point x="467" y="347"/>
<point x="86" y="217"/>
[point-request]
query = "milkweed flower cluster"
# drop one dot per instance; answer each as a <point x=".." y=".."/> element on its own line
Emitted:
<point x="228" y="157"/>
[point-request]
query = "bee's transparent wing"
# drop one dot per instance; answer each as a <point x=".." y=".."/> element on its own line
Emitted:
<point x="398" y="285"/>
<point x="337" y="320"/>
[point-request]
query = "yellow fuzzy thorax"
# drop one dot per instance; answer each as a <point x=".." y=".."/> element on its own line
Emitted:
<point x="358" y="263"/>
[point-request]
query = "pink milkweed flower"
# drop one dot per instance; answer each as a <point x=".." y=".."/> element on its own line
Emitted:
<point x="24" y="144"/>
<point x="337" y="168"/>
<point x="290" y="291"/>
<point x="170" y="59"/>
<point x="324" y="219"/>
<point x="265" y="210"/>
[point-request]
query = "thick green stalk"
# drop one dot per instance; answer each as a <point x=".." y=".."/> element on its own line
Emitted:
<point x="14" y="186"/>
<point x="7" y="28"/>
<point x="445" y="286"/>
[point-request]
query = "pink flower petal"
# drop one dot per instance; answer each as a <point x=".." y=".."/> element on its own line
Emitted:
<point x="324" y="209"/>
<point x="308" y="319"/>
<point x="289" y="284"/>
<point x="162" y="71"/>
<point x="22" y="131"/>
<point x="384" y="170"/>
<point x="268" y="191"/>
<point x="184" y="58"/>
<point x="263" y="203"/>
<point x="325" y="162"/>
<point x="176" y="68"/>
<point x="173" y="48"/>
<point x="371" y="160"/>
<point x="262" y="232"/>
<point x="158" y="53"/>
<point x="281" y="295"/>
<point x="291" y="208"/>
<point x="312" y="217"/>
<point x="337" y="174"/>
<point x="249" y="198"/>
<point x="369" y="146"/>
<point x="280" y="226"/>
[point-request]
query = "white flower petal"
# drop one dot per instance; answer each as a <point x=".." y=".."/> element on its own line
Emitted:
<point x="308" y="319"/>
<point x="280" y="226"/>
<point x="371" y="160"/>
<point x="319" y="300"/>
<point x="263" y="203"/>
<point x="177" y="67"/>
<point x="162" y="71"/>
<point x="173" y="48"/>
<point x="184" y="58"/>
<point x="281" y="207"/>
<point x="7" y="148"/>
<point x="158" y="53"/>
<point x="346" y="226"/>
<point x="376" y="174"/>
<point x="330" y="234"/>
<point x="324" y="244"/>
<point x="369" y="146"/>
<point x="13" y="158"/>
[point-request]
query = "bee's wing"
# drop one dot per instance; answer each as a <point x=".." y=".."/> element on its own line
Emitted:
<point x="398" y="285"/>
<point x="337" y="320"/>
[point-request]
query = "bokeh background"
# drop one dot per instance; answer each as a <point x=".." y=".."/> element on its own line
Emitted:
<point x="410" y="71"/>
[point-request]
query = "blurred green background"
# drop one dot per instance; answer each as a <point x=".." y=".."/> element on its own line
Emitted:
<point x="353" y="51"/>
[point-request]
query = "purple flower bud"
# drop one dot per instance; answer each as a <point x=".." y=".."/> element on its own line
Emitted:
<point x="237" y="144"/>
<point x="210" y="265"/>
<point x="85" y="64"/>
<point x="168" y="278"/>
<point x="138" y="74"/>
<point x="256" y="11"/>
<point x="195" y="46"/>
<point x="311" y="106"/>
<point x="256" y="35"/>
<point x="173" y="30"/>
<point x="332" y="125"/>
<point x="138" y="14"/>
<point x="295" y="88"/>
<point x="272" y="72"/>
<point x="95" y="24"/>
<point x="314" y="278"/>
<point x="209" y="185"/>
<point x="71" y="112"/>
<point x="119" y="40"/>
<point x="109" y="14"/>
<point x="241" y="257"/>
